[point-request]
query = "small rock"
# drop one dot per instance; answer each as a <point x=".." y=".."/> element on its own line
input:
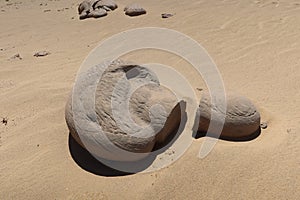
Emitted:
<point x="105" y="4"/>
<point x="17" y="56"/>
<point x="166" y="15"/>
<point x="136" y="138"/>
<point x="264" y="125"/>
<point x="47" y="10"/>
<point x="41" y="54"/>
<point x="134" y="10"/>
<point x="4" y="121"/>
<point x="291" y="131"/>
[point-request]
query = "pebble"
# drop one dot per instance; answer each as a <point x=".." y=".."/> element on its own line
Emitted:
<point x="41" y="54"/>
<point x="264" y="125"/>
<point x="166" y="15"/>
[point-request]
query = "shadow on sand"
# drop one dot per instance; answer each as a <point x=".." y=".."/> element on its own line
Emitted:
<point x="87" y="162"/>
<point x="242" y="139"/>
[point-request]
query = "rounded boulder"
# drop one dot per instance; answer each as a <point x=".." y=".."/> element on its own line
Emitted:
<point x="242" y="119"/>
<point x="135" y="113"/>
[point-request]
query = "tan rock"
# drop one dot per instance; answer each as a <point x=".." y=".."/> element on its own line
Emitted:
<point x="242" y="118"/>
<point x="133" y="122"/>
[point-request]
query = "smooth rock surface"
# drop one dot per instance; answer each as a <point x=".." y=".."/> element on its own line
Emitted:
<point x="134" y="10"/>
<point x="105" y="4"/>
<point x="242" y="118"/>
<point x="100" y="12"/>
<point x="131" y="121"/>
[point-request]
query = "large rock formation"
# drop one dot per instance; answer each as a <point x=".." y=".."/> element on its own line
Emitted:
<point x="242" y="118"/>
<point x="134" y="111"/>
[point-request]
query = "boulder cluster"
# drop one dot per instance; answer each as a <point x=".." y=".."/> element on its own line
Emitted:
<point x="100" y="8"/>
<point x="137" y="114"/>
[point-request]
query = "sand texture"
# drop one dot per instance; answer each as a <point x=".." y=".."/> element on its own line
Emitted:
<point x="256" y="46"/>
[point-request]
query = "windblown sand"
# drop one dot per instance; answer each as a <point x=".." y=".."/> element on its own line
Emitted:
<point x="256" y="46"/>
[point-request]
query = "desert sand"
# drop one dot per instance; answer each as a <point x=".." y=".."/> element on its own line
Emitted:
<point x="256" y="46"/>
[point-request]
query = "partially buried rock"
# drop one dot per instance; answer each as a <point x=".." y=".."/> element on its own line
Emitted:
<point x="166" y="15"/>
<point x="134" y="10"/>
<point x="16" y="56"/>
<point x="41" y="53"/>
<point x="129" y="117"/>
<point x="98" y="13"/>
<point x="242" y="118"/>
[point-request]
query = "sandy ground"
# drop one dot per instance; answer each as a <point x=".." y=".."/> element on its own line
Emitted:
<point x="256" y="47"/>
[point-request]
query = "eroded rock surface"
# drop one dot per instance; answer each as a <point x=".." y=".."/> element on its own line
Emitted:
<point x="134" y="111"/>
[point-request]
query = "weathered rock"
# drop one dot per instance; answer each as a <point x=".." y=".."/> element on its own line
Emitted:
<point x="98" y="13"/>
<point x="132" y="122"/>
<point x="105" y="4"/>
<point x="134" y="10"/>
<point x="95" y="8"/>
<point x="242" y="118"/>
<point x="84" y="7"/>
<point x="264" y="125"/>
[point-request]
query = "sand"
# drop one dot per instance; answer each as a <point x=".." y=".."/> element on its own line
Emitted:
<point x="256" y="47"/>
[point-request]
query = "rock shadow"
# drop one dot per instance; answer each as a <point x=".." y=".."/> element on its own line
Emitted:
<point x="240" y="139"/>
<point x="89" y="163"/>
